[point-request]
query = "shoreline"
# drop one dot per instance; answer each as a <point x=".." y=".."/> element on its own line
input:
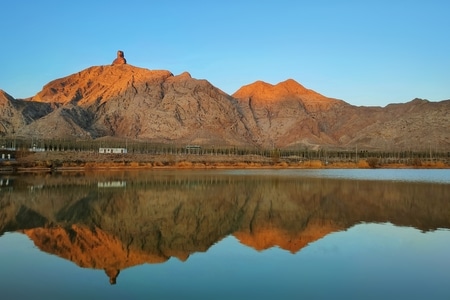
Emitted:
<point x="72" y="161"/>
<point x="221" y="166"/>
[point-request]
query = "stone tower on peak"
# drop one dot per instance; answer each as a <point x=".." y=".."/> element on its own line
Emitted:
<point x="120" y="60"/>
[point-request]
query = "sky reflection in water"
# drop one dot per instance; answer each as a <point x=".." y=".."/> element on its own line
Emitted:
<point x="276" y="238"/>
<point x="407" y="175"/>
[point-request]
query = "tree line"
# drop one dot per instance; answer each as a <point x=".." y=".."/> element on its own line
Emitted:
<point x="294" y="154"/>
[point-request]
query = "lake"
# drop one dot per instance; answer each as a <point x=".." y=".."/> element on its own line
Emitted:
<point x="226" y="234"/>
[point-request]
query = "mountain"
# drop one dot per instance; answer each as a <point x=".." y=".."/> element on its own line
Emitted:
<point x="124" y="101"/>
<point x="286" y="114"/>
<point x="7" y="112"/>
<point x="130" y="102"/>
<point x="289" y="115"/>
<point x="16" y="114"/>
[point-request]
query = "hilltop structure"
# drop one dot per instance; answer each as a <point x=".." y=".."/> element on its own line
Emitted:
<point x="120" y="60"/>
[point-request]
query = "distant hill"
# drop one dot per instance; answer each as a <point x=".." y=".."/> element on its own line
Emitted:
<point x="124" y="101"/>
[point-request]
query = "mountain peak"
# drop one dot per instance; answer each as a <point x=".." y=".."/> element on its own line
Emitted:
<point x="293" y="87"/>
<point x="4" y="96"/>
<point x="97" y="83"/>
<point x="266" y="92"/>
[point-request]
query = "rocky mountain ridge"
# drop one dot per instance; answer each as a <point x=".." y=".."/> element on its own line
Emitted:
<point x="128" y="102"/>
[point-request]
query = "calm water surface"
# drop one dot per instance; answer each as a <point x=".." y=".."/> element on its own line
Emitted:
<point x="226" y="234"/>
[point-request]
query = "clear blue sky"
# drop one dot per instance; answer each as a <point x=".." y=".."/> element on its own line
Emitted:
<point x="368" y="53"/>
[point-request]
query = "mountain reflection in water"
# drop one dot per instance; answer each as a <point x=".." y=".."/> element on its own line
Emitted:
<point x="118" y="220"/>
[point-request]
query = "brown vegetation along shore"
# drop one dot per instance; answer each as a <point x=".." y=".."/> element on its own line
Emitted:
<point x="75" y="160"/>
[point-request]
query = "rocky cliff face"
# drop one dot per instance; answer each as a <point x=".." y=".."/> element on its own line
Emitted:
<point x="124" y="101"/>
<point x="8" y="113"/>
<point x="17" y="114"/>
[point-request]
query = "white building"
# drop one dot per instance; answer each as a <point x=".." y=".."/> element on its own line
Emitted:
<point x="112" y="184"/>
<point x="112" y="150"/>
